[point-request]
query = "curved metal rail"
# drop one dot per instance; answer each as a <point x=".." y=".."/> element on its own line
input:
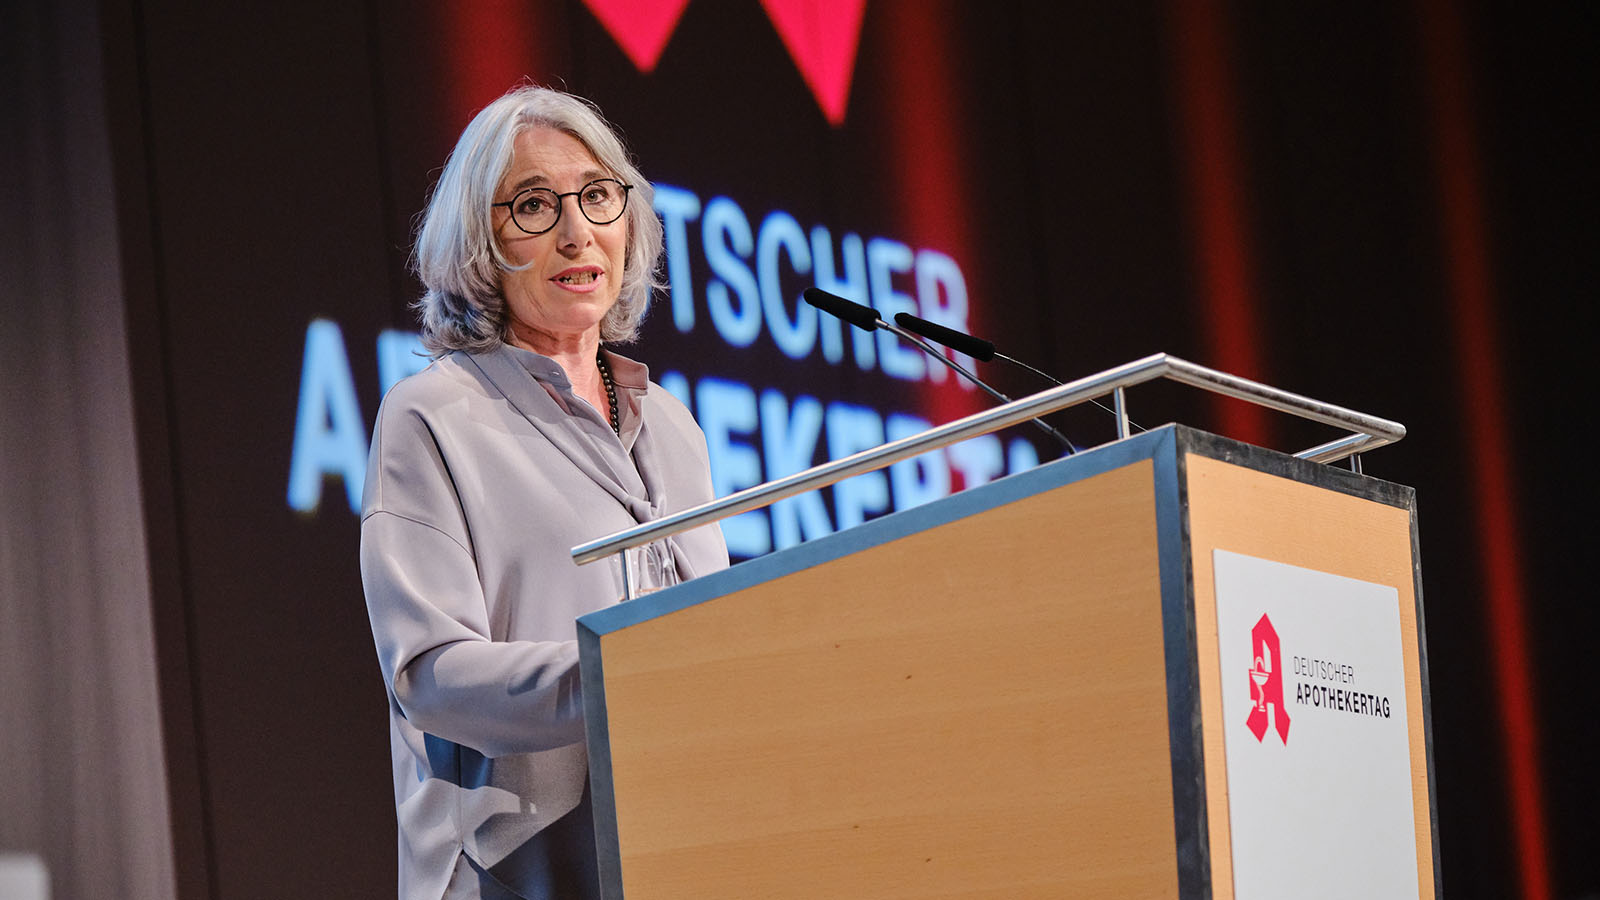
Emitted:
<point x="1367" y="433"/>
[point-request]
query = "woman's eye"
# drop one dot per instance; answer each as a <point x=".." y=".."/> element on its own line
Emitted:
<point x="596" y="194"/>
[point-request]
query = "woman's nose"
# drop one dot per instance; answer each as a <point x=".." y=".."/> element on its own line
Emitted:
<point x="573" y="228"/>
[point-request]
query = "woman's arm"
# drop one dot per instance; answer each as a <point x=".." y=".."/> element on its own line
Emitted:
<point x="448" y="678"/>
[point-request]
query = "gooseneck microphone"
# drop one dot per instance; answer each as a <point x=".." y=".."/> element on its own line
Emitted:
<point x="866" y="318"/>
<point x="977" y="348"/>
<point x="862" y="317"/>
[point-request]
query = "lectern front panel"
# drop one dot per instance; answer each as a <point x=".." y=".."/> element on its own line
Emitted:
<point x="974" y="709"/>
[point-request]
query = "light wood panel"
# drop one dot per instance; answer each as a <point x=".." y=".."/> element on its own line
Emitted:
<point x="976" y="710"/>
<point x="1254" y="513"/>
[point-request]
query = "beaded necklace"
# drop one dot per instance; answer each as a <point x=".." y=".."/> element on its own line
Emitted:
<point x="611" y="391"/>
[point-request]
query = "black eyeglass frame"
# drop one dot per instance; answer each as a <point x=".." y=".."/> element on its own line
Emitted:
<point x="561" y="206"/>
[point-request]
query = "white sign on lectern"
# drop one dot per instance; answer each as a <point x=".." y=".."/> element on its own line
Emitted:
<point x="1318" y="752"/>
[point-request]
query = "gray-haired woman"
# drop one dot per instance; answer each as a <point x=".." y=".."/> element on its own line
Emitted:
<point x="524" y="438"/>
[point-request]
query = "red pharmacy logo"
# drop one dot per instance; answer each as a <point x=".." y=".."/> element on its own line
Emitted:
<point x="1266" y="682"/>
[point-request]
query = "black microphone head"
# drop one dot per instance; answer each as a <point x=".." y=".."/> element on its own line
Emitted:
<point x="977" y="348"/>
<point x="862" y="317"/>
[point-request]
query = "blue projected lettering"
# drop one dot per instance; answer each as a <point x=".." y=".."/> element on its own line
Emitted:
<point x="781" y="232"/>
<point x="400" y="353"/>
<point x="750" y="268"/>
<point x="922" y="478"/>
<point x="330" y="437"/>
<point x="677" y="207"/>
<point x="676" y="385"/>
<point x="728" y="409"/>
<point x="728" y="243"/>
<point x="980" y="460"/>
<point x="1021" y="455"/>
<point x="885" y="258"/>
<point x="942" y="297"/>
<point x="789" y="437"/>
<point x="852" y="429"/>
<point x="754" y="432"/>
<point x="852" y="285"/>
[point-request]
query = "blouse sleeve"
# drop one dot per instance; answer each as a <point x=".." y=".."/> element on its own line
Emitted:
<point x="430" y="619"/>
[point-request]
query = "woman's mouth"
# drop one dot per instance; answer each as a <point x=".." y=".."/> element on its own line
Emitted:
<point x="578" y="277"/>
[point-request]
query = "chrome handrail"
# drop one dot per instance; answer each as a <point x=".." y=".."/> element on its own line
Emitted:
<point x="1368" y="433"/>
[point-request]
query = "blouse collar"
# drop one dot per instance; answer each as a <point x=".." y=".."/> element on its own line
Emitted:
<point x="632" y="380"/>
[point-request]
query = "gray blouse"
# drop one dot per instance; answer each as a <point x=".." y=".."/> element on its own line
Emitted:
<point x="486" y="469"/>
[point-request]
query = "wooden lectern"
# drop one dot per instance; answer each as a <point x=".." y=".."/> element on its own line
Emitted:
<point x="1012" y="692"/>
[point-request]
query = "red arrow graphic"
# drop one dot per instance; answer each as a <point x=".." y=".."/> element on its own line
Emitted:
<point x="821" y="36"/>
<point x="640" y="27"/>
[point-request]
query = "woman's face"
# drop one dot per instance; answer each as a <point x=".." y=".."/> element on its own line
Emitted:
<point x="574" y="270"/>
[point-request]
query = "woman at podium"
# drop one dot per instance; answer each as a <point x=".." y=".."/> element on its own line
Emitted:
<point x="526" y="436"/>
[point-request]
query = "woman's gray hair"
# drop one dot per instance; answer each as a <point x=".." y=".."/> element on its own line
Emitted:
<point x="457" y="255"/>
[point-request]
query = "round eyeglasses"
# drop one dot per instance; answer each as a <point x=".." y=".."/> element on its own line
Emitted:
<point x="537" y="210"/>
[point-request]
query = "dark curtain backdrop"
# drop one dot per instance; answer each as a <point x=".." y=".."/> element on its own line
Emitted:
<point x="1385" y="206"/>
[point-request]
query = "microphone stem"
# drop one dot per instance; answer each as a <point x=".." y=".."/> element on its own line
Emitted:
<point x="1018" y="362"/>
<point x="928" y="349"/>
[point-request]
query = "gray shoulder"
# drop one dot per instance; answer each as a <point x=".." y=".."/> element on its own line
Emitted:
<point x="405" y="449"/>
<point x="669" y="410"/>
<point x="447" y="380"/>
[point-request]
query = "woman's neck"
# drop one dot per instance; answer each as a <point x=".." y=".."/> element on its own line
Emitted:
<point x="575" y="353"/>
